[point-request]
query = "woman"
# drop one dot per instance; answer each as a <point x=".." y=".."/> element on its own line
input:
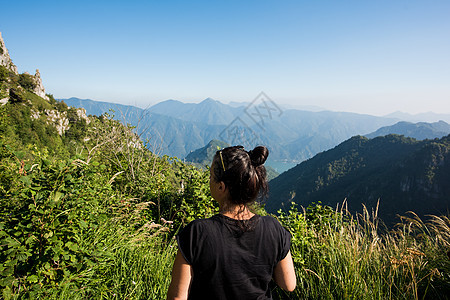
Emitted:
<point x="235" y="254"/>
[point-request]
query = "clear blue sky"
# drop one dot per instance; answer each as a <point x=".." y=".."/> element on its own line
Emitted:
<point x="371" y="57"/>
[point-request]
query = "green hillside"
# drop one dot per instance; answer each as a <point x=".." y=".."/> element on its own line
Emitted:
<point x="203" y="156"/>
<point x="30" y="121"/>
<point x="403" y="173"/>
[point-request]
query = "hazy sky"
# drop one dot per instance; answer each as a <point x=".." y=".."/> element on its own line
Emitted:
<point x="371" y="57"/>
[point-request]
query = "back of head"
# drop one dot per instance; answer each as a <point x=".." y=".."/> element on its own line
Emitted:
<point x="243" y="172"/>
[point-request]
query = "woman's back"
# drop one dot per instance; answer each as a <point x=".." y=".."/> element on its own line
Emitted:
<point x="233" y="259"/>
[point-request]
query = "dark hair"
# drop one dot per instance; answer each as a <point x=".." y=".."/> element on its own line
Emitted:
<point x="242" y="172"/>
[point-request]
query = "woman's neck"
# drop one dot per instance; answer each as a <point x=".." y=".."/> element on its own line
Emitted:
<point x="238" y="212"/>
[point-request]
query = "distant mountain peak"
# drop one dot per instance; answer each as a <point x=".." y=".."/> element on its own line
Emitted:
<point x="171" y="101"/>
<point x="209" y="100"/>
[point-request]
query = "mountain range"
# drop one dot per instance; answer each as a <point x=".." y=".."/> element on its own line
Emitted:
<point x="175" y="128"/>
<point x="419" y="131"/>
<point x="421" y="117"/>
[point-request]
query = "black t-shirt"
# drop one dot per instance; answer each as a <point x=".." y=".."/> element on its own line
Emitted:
<point x="230" y="262"/>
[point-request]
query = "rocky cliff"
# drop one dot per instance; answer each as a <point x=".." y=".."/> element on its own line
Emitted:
<point x="5" y="61"/>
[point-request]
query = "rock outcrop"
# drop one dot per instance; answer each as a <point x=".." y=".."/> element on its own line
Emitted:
<point x="57" y="119"/>
<point x="5" y="59"/>
<point x="81" y="113"/>
<point x="39" y="87"/>
<point x="3" y="93"/>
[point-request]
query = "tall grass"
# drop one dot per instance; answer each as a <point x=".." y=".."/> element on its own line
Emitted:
<point x="341" y="257"/>
<point x="133" y="260"/>
<point x="135" y="270"/>
<point x="336" y="256"/>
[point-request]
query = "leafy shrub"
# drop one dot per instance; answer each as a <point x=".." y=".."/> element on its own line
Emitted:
<point x="16" y="95"/>
<point x="196" y="202"/>
<point x="3" y="74"/>
<point x="61" y="106"/>
<point x="43" y="221"/>
<point x="27" y="81"/>
<point x="60" y="218"/>
<point x="51" y="99"/>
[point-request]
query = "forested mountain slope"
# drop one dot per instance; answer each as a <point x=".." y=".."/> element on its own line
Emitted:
<point x="402" y="173"/>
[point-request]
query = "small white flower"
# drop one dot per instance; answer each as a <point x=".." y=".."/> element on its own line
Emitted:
<point x="134" y="282"/>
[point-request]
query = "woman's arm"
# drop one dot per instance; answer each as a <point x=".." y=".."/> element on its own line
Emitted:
<point x="284" y="273"/>
<point x="181" y="279"/>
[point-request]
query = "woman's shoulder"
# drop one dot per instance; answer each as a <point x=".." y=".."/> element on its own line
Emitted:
<point x="202" y="223"/>
<point x="270" y="220"/>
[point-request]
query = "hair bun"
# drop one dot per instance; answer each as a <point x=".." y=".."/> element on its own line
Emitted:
<point x="258" y="155"/>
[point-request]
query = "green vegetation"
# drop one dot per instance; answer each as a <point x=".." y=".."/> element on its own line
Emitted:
<point x="91" y="214"/>
<point x="27" y="81"/>
<point x="3" y="73"/>
<point x="72" y="225"/>
<point x="203" y="156"/>
<point x="341" y="257"/>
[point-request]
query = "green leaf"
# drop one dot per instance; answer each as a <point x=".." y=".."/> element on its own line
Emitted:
<point x="7" y="271"/>
<point x="32" y="278"/>
<point x="7" y="281"/>
<point x="83" y="224"/>
<point x="58" y="196"/>
<point x="26" y="180"/>
<point x="7" y="293"/>
<point x="71" y="246"/>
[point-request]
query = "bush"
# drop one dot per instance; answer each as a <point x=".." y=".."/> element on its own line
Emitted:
<point x="16" y="95"/>
<point x="27" y="81"/>
<point x="60" y="222"/>
<point x="3" y="74"/>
